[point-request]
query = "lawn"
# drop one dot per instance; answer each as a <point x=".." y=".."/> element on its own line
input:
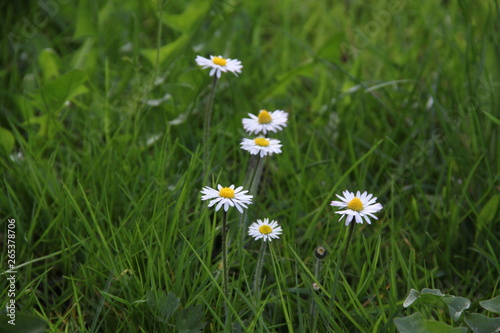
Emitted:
<point x="105" y="147"/>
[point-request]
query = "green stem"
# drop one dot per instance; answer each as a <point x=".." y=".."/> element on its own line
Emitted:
<point x="340" y="266"/>
<point x="256" y="177"/>
<point x="348" y="243"/>
<point x="316" y="275"/>
<point x="258" y="268"/>
<point x="206" y="130"/>
<point x="225" y="286"/>
<point x="253" y="165"/>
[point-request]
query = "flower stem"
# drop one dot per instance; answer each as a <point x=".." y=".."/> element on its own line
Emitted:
<point x="206" y="130"/>
<point x="313" y="303"/>
<point x="225" y="286"/>
<point x="340" y="267"/>
<point x="256" y="177"/>
<point x="254" y="165"/>
<point x="258" y="268"/>
<point x="347" y="244"/>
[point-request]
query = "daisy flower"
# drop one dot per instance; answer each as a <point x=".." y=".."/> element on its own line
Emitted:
<point x="261" y="145"/>
<point x="358" y="206"/>
<point x="227" y="197"/>
<point x="265" y="230"/>
<point x="219" y="65"/>
<point x="265" y="122"/>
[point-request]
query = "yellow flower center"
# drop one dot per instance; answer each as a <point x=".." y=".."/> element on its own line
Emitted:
<point x="264" y="117"/>
<point x="219" y="61"/>
<point x="355" y="204"/>
<point x="261" y="142"/>
<point x="265" y="229"/>
<point x="226" y="192"/>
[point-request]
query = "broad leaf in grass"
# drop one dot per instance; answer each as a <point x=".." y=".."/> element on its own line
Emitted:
<point x="435" y="292"/>
<point x="190" y="320"/>
<point x="48" y="62"/>
<point x="431" y="296"/>
<point x="188" y="22"/>
<point x="482" y="324"/>
<point x="492" y="305"/>
<point x="456" y="305"/>
<point x="167" y="51"/>
<point x="433" y="326"/>
<point x="6" y="141"/>
<point x="190" y="18"/>
<point x="415" y="324"/>
<point x="51" y="96"/>
<point x="410" y="324"/>
<point x="411" y="298"/>
<point x="47" y="125"/>
<point x="163" y="305"/>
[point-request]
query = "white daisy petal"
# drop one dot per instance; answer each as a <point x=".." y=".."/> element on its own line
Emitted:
<point x="219" y="64"/>
<point x="227" y="197"/>
<point x="261" y="146"/>
<point x="219" y="205"/>
<point x="358" y="207"/>
<point x="265" y="122"/>
<point x="265" y="230"/>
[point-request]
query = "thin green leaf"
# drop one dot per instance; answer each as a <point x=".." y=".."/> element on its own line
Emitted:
<point x="492" y="117"/>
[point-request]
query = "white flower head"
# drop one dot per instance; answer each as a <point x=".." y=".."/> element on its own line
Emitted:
<point x="219" y="65"/>
<point x="265" y="122"/>
<point x="264" y="229"/>
<point x="357" y="206"/>
<point x="227" y="197"/>
<point x="262" y="146"/>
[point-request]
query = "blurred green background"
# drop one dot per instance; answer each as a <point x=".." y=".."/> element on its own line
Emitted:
<point x="101" y="117"/>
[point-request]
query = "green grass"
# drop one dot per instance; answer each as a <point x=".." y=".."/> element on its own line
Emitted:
<point x="106" y="197"/>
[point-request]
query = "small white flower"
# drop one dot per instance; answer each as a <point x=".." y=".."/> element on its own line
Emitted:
<point x="219" y="65"/>
<point x="358" y="206"/>
<point x="227" y="197"/>
<point x="263" y="146"/>
<point x="265" y="122"/>
<point x="265" y="230"/>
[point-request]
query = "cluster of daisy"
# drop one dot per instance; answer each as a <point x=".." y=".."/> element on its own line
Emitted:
<point x="260" y="145"/>
<point x="359" y="207"/>
<point x="260" y="125"/>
